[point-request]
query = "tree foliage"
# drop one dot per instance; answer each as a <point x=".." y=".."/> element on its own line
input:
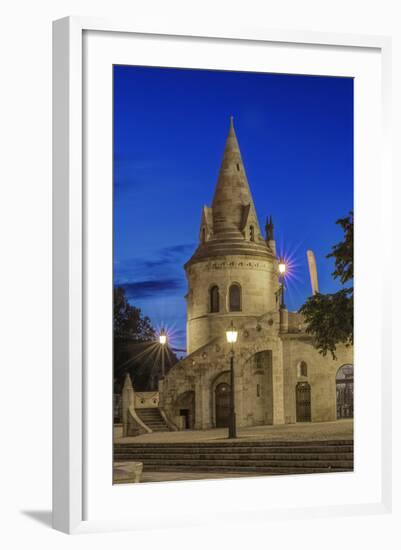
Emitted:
<point x="128" y="320"/>
<point x="330" y="317"/>
<point x="136" y="350"/>
<point x="343" y="252"/>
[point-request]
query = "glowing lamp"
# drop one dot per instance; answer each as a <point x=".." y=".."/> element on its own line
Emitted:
<point x="231" y="334"/>
<point x="282" y="267"/>
<point x="162" y="337"/>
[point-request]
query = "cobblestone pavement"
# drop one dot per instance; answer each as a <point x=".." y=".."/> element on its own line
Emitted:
<point x="341" y="429"/>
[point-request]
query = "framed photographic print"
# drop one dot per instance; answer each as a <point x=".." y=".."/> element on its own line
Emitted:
<point x="218" y="346"/>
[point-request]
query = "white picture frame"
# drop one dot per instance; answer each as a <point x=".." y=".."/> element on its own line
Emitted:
<point x="70" y="257"/>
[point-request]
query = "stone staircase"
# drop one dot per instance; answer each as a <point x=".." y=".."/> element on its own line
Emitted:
<point x="263" y="457"/>
<point x="153" y="419"/>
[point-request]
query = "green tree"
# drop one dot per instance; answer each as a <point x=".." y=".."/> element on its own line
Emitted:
<point x="135" y="349"/>
<point x="330" y="317"/>
<point x="128" y="320"/>
<point x="343" y="252"/>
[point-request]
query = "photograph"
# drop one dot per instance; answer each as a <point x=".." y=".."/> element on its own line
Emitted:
<point x="211" y="350"/>
<point x="233" y="310"/>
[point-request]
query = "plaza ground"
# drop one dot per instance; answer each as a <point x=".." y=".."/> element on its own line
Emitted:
<point x="340" y="429"/>
<point x="323" y="431"/>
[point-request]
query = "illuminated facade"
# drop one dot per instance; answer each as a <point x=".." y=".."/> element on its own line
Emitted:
<point x="233" y="276"/>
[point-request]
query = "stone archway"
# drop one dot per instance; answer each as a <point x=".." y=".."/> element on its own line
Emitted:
<point x="185" y="405"/>
<point x="345" y="392"/>
<point x="222" y="400"/>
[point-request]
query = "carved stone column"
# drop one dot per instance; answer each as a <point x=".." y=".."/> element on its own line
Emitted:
<point x="128" y="401"/>
<point x="239" y="390"/>
<point x="278" y="384"/>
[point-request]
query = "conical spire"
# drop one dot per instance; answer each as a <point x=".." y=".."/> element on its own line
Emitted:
<point x="231" y="225"/>
<point x="232" y="201"/>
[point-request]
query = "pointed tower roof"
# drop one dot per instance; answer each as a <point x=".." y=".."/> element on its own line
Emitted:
<point x="233" y="211"/>
<point x="232" y="194"/>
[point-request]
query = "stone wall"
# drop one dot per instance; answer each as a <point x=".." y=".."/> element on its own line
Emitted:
<point x="258" y="389"/>
<point x="146" y="400"/>
<point x="202" y="370"/>
<point x="266" y="377"/>
<point x="259" y="284"/>
<point x="321" y="375"/>
<point x="296" y="322"/>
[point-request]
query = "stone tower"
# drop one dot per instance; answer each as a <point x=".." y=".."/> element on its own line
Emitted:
<point x="233" y="273"/>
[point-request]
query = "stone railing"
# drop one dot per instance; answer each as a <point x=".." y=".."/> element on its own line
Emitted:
<point x="146" y="400"/>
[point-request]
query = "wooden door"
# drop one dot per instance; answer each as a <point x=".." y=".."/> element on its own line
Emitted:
<point x="222" y="405"/>
<point x="303" y="397"/>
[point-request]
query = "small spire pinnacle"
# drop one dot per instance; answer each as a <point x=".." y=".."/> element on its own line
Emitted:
<point x="231" y="121"/>
<point x="269" y="229"/>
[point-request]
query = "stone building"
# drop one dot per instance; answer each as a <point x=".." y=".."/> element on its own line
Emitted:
<point x="233" y="277"/>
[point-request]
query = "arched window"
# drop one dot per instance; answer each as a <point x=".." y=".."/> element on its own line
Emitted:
<point x="251" y="233"/>
<point x="214" y="299"/>
<point x="234" y="297"/>
<point x="345" y="373"/>
<point x="302" y="369"/>
<point x="203" y="235"/>
<point x="345" y="391"/>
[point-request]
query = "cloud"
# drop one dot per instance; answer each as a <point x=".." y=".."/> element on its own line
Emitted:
<point x="148" y="289"/>
<point x="163" y="264"/>
<point x="158" y="276"/>
<point x="155" y="281"/>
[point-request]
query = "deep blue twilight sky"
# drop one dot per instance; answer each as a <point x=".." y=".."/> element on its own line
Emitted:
<point x="170" y="127"/>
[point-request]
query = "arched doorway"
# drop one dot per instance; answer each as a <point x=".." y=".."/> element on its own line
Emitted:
<point x="222" y="394"/>
<point x="303" y="401"/>
<point x="186" y="409"/>
<point x="345" y="391"/>
<point x="257" y="377"/>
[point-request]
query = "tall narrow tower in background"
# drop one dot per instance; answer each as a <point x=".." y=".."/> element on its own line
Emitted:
<point x="312" y="271"/>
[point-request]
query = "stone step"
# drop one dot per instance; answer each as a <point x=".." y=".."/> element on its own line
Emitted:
<point x="233" y="449"/>
<point x="245" y="469"/>
<point x="266" y="457"/>
<point x="155" y="424"/>
<point x="162" y="461"/>
<point x="216" y="449"/>
<point x="241" y="443"/>
<point x="216" y="454"/>
<point x="153" y="419"/>
<point x="257" y="457"/>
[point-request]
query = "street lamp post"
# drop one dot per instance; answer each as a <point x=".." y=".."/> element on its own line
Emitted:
<point x="282" y="268"/>
<point x="232" y="335"/>
<point x="163" y="341"/>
